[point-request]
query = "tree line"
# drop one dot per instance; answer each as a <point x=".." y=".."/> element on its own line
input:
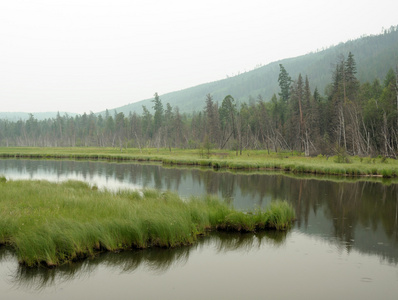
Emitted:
<point x="357" y="118"/>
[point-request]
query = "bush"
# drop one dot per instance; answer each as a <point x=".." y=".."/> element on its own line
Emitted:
<point x="342" y="156"/>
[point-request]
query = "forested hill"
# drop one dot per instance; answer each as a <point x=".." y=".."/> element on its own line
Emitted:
<point x="374" y="56"/>
<point x="357" y="116"/>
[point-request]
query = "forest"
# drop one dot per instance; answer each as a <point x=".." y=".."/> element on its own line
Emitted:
<point x="352" y="117"/>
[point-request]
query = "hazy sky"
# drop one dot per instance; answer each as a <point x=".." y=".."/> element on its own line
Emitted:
<point x="82" y="55"/>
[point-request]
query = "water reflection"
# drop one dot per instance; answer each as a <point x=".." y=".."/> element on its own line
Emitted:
<point x="353" y="214"/>
<point x="155" y="260"/>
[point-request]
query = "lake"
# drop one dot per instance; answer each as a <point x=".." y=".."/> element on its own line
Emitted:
<point x="344" y="243"/>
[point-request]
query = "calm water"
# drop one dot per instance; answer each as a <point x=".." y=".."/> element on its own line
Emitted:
<point x="343" y="245"/>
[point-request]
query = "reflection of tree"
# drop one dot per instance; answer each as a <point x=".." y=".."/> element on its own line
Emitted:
<point x="343" y="212"/>
<point x="146" y="176"/>
<point x="155" y="259"/>
<point x="221" y="183"/>
<point x="157" y="178"/>
<point x="173" y="177"/>
<point x="345" y="206"/>
<point x="366" y="203"/>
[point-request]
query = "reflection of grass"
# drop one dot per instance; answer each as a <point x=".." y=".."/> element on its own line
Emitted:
<point x="247" y="241"/>
<point x="48" y="223"/>
<point x="250" y="160"/>
<point x="153" y="259"/>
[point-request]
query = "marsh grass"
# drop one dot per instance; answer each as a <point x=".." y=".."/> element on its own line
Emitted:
<point x="251" y="160"/>
<point x="54" y="223"/>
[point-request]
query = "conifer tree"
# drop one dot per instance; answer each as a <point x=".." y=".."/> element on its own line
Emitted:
<point x="284" y="83"/>
<point x="351" y="82"/>
<point x="159" y="111"/>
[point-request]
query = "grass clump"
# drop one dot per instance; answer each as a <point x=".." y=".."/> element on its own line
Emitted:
<point x="55" y="223"/>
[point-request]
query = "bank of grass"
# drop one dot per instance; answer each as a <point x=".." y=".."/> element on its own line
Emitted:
<point x="55" y="223"/>
<point x="222" y="159"/>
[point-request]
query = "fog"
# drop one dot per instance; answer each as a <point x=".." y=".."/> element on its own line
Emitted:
<point x="83" y="55"/>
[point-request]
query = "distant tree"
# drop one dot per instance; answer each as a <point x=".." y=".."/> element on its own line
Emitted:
<point x="197" y="129"/>
<point x="389" y="105"/>
<point x="336" y="128"/>
<point x="212" y="120"/>
<point x="316" y="96"/>
<point x="168" y="125"/>
<point x="227" y="113"/>
<point x="159" y="113"/>
<point x="146" y="123"/>
<point x="296" y="119"/>
<point x="178" y="128"/>
<point x="376" y="90"/>
<point x="351" y="82"/>
<point x="120" y="129"/>
<point x="284" y="83"/>
<point x="110" y="130"/>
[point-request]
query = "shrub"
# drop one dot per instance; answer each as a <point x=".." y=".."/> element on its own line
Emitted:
<point x="341" y="156"/>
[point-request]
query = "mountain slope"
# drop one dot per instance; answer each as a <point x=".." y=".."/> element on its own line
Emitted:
<point x="374" y="56"/>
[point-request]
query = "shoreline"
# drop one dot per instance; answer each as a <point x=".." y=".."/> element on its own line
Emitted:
<point x="254" y="160"/>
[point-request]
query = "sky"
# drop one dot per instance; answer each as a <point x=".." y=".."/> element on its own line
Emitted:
<point x="90" y="55"/>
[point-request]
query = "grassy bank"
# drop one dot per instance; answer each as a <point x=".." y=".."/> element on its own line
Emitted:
<point x="54" y="223"/>
<point x="250" y="160"/>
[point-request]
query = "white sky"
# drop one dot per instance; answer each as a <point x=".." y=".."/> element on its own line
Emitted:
<point x="89" y="55"/>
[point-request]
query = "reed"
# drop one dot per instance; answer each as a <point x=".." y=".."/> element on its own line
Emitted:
<point x="54" y="223"/>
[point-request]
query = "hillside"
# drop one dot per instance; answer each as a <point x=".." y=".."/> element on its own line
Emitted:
<point x="374" y="56"/>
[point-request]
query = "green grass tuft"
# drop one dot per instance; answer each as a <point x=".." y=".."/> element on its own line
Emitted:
<point x="54" y="223"/>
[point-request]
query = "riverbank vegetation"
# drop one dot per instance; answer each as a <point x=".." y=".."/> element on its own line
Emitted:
<point x="293" y="162"/>
<point x="351" y="118"/>
<point x="55" y="223"/>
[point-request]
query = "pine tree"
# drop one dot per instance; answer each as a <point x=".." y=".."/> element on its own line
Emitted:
<point x="317" y="96"/>
<point x="284" y="83"/>
<point x="227" y="113"/>
<point x="159" y="111"/>
<point x="351" y="82"/>
<point x="212" y="120"/>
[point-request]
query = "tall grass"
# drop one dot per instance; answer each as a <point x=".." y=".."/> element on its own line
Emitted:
<point x="54" y="223"/>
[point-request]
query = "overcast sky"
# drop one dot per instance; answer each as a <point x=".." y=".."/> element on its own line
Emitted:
<point x="82" y="55"/>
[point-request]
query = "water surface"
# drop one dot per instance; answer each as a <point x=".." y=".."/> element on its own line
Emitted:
<point x="344" y="243"/>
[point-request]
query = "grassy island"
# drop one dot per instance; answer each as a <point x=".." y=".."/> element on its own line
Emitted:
<point x="55" y="223"/>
